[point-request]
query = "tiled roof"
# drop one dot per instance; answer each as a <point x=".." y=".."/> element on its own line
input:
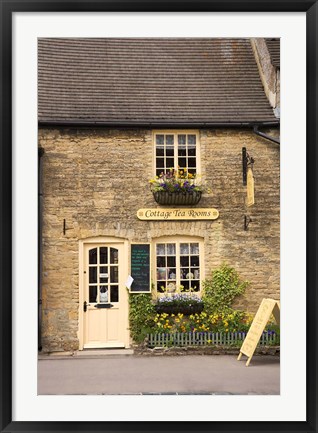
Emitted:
<point x="273" y="45"/>
<point x="150" y="81"/>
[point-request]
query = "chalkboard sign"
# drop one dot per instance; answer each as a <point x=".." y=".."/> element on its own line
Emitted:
<point x="140" y="268"/>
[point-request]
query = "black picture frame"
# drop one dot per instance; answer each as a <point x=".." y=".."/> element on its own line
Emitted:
<point x="7" y="8"/>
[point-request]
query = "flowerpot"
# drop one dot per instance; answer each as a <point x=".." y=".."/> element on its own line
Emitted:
<point x="183" y="309"/>
<point x="178" y="198"/>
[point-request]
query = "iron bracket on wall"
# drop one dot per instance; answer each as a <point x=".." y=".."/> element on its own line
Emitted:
<point x="64" y="227"/>
<point x="246" y="161"/>
<point x="247" y="221"/>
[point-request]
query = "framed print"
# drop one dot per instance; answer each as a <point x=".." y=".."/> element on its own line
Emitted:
<point x="158" y="183"/>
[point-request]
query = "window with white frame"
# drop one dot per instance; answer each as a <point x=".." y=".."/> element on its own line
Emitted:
<point x="178" y="266"/>
<point x="176" y="150"/>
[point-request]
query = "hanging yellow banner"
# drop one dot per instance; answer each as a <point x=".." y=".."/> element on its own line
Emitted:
<point x="250" y="187"/>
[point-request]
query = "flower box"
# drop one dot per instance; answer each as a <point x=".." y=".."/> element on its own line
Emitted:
<point x="183" y="309"/>
<point x="178" y="198"/>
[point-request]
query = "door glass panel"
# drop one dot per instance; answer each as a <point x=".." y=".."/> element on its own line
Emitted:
<point x="93" y="256"/>
<point x="103" y="269"/>
<point x="103" y="255"/>
<point x="114" y="294"/>
<point x="103" y="280"/>
<point x="92" y="293"/>
<point x="93" y="274"/>
<point x="113" y="256"/>
<point x="114" y="274"/>
<point x="103" y="294"/>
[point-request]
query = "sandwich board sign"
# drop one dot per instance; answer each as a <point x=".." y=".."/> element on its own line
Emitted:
<point x="267" y="307"/>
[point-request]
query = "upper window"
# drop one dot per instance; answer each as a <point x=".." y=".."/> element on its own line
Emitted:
<point x="176" y="150"/>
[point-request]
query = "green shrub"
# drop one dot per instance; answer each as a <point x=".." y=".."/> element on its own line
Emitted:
<point x="141" y="315"/>
<point x="221" y="289"/>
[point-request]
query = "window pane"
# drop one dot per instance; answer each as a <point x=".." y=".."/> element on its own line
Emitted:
<point x="182" y="152"/>
<point x="183" y="273"/>
<point x="191" y="139"/>
<point x="185" y="284"/>
<point x="171" y="261"/>
<point x="161" y="250"/>
<point x="160" y="163"/>
<point x="172" y="274"/>
<point x="184" y="261"/>
<point x="169" y="162"/>
<point x="169" y="139"/>
<point x="114" y="294"/>
<point x="113" y="274"/>
<point x="103" y="255"/>
<point x="159" y="171"/>
<point x="161" y="262"/>
<point x="103" y="280"/>
<point x="195" y="286"/>
<point x="93" y="274"/>
<point x="103" y="294"/>
<point x="161" y="273"/>
<point x="184" y="248"/>
<point x="160" y="139"/>
<point x="181" y="139"/>
<point x="194" y="248"/>
<point x="160" y="151"/>
<point x="161" y="286"/>
<point x="195" y="261"/>
<point x="93" y="256"/>
<point x="169" y="151"/>
<point x="103" y="269"/>
<point x="182" y="162"/>
<point x="92" y="293"/>
<point x="191" y="151"/>
<point x="192" y="170"/>
<point x="113" y="256"/>
<point x="191" y="162"/>
<point x="196" y="273"/>
<point x="171" y="249"/>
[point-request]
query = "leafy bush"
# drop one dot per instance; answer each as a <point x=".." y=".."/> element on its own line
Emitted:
<point x="141" y="316"/>
<point x="221" y="289"/>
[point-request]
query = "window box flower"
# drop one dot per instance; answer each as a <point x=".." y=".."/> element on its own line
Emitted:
<point x="185" y="303"/>
<point x="177" y="187"/>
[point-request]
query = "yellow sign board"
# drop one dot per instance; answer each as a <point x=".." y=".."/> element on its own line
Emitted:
<point x="169" y="214"/>
<point x="267" y="307"/>
<point x="250" y="187"/>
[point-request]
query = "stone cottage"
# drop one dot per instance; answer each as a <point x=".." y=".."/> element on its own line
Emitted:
<point x="114" y="113"/>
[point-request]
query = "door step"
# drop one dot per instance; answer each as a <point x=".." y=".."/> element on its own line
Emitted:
<point x="102" y="352"/>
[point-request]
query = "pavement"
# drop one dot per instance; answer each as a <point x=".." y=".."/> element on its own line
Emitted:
<point x="120" y="372"/>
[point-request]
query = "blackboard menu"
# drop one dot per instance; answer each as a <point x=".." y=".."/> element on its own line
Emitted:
<point x="140" y="268"/>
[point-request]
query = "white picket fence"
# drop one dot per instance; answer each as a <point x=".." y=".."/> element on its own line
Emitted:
<point x="180" y="339"/>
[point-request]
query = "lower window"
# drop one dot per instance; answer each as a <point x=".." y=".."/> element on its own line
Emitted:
<point x="178" y="266"/>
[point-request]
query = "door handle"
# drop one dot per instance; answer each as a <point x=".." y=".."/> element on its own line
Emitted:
<point x="85" y="306"/>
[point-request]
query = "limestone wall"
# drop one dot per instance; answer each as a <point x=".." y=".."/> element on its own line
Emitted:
<point x="97" y="180"/>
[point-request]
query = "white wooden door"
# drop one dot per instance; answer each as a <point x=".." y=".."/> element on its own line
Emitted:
<point x="105" y="296"/>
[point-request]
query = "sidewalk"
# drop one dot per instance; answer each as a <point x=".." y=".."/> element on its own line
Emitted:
<point x="125" y="373"/>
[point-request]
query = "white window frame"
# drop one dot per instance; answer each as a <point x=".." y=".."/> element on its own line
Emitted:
<point x="177" y="132"/>
<point x="178" y="240"/>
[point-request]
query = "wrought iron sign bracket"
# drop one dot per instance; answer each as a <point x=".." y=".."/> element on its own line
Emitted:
<point x="246" y="161"/>
<point x="247" y="221"/>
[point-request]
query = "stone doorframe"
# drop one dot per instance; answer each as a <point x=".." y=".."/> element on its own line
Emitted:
<point x="125" y="269"/>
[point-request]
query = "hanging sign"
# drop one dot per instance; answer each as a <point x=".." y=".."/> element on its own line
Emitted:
<point x="267" y="307"/>
<point x="169" y="214"/>
<point x="250" y="187"/>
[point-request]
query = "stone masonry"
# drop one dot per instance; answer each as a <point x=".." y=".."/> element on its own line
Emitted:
<point x="97" y="179"/>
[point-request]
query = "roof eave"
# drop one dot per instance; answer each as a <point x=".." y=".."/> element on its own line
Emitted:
<point x="159" y="124"/>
